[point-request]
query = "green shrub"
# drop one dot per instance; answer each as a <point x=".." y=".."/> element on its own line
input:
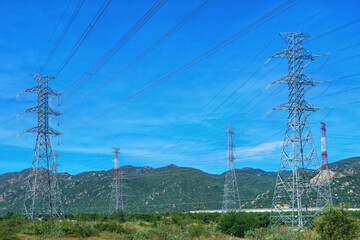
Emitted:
<point x="147" y="217"/>
<point x="7" y="234"/>
<point x="161" y="232"/>
<point x="278" y="233"/>
<point x="68" y="227"/>
<point x="57" y="229"/>
<point x="166" y="214"/>
<point x="336" y="223"/>
<point x="237" y="223"/>
<point x="84" y="230"/>
<point x="144" y="234"/>
<point x="143" y="224"/>
<point x="264" y="219"/>
<point x="196" y="230"/>
<point x="44" y="228"/>
<point x="83" y="217"/>
<point x="11" y="225"/>
<point x="206" y="217"/>
<point x="118" y="216"/>
<point x="177" y="220"/>
<point x="12" y="216"/>
<point x="114" y="227"/>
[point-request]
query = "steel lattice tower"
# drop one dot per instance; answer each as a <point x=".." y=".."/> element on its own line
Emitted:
<point x="116" y="198"/>
<point x="299" y="196"/>
<point x="231" y="198"/>
<point x="326" y="178"/>
<point x="42" y="194"/>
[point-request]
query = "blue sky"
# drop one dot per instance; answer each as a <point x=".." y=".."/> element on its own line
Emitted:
<point x="179" y="121"/>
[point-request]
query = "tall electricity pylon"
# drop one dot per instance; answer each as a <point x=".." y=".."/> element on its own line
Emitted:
<point x="116" y="198"/>
<point x="231" y="198"/>
<point x="326" y="178"/>
<point x="42" y="194"/>
<point x="298" y="189"/>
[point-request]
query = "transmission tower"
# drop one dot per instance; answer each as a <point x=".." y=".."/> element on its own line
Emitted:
<point x="56" y="164"/>
<point x="42" y="194"/>
<point x="299" y="196"/>
<point x="326" y="178"/>
<point x="231" y="198"/>
<point x="116" y="198"/>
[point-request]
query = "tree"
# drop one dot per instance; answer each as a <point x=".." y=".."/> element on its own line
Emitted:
<point x="336" y="224"/>
<point x="237" y="223"/>
<point x="118" y="216"/>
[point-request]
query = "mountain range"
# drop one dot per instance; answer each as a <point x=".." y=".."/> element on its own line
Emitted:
<point x="172" y="188"/>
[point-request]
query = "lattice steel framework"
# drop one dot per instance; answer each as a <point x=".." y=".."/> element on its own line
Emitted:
<point x="42" y="194"/>
<point x="116" y="198"/>
<point x="299" y="194"/>
<point x="231" y="198"/>
<point x="326" y="177"/>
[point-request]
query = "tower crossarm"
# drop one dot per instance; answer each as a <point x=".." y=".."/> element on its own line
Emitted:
<point x="302" y="79"/>
<point x="301" y="54"/>
<point x="30" y="110"/>
<point x="51" y="111"/>
<point x="305" y="106"/>
<point x="30" y="90"/>
<point x="52" y="92"/>
<point x="49" y="131"/>
<point x="54" y="132"/>
<point x="30" y="130"/>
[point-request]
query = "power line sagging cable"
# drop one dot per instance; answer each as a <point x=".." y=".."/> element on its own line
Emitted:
<point x="83" y="36"/>
<point x="63" y="33"/>
<point x="115" y="48"/>
<point x="167" y="35"/>
<point x="259" y="22"/>
<point x="51" y="36"/>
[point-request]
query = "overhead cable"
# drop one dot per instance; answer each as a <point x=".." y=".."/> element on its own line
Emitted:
<point x="259" y="22"/>
<point x="115" y="48"/>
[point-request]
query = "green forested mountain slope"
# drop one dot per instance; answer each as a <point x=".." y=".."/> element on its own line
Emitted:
<point x="172" y="188"/>
<point x="345" y="185"/>
<point x="146" y="189"/>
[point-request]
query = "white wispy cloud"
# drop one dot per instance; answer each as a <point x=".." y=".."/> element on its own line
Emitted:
<point x="258" y="152"/>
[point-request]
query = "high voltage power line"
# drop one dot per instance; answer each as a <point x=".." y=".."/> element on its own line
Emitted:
<point x="78" y="43"/>
<point x="52" y="35"/>
<point x="334" y="30"/>
<point x="197" y="160"/>
<point x="259" y="22"/>
<point x="93" y="22"/>
<point x="322" y="35"/>
<point x="63" y="33"/>
<point x="252" y="124"/>
<point x="328" y="33"/>
<point x="160" y="81"/>
<point x="245" y="104"/>
<point x="167" y="35"/>
<point x="335" y="79"/>
<point x="115" y="48"/>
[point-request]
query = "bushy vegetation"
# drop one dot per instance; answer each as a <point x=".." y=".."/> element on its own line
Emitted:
<point x="337" y="224"/>
<point x="237" y="223"/>
<point x="333" y="224"/>
<point x="279" y="233"/>
<point x="10" y="226"/>
<point x="55" y="228"/>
